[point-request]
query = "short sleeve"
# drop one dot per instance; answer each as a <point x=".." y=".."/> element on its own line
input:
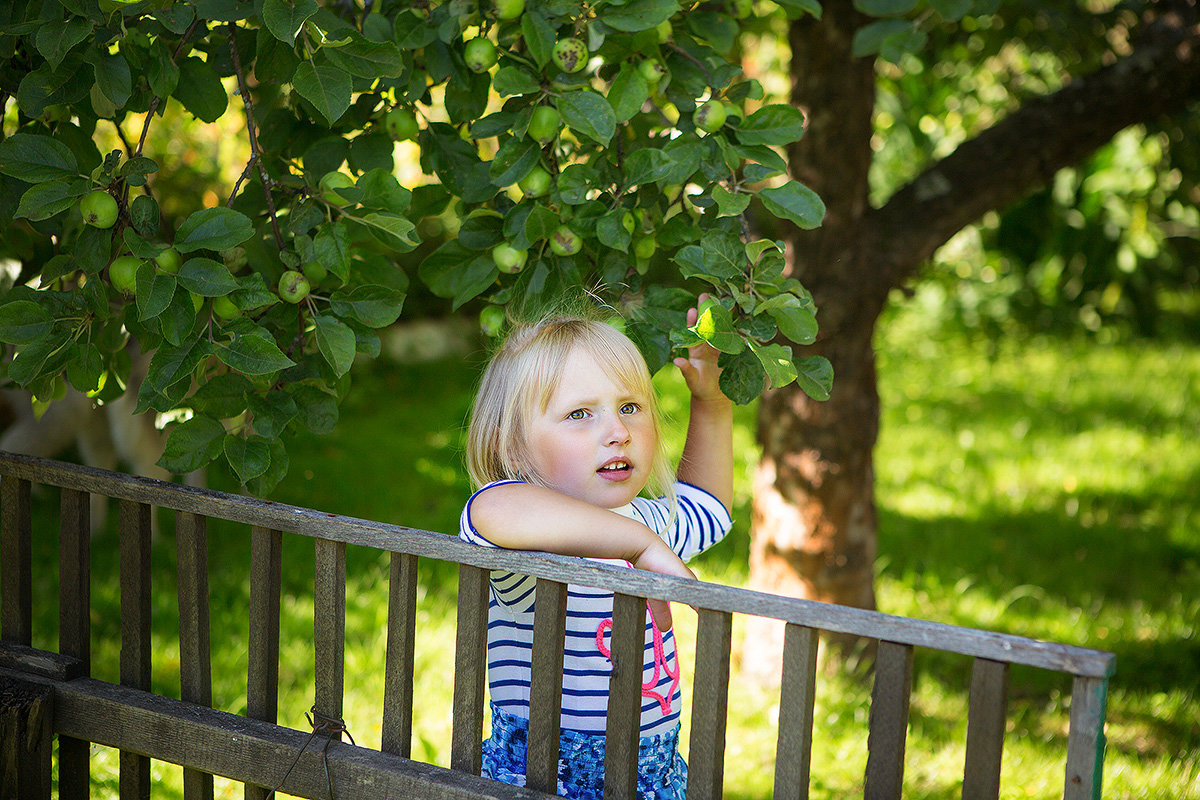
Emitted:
<point x="700" y="519"/>
<point x="511" y="589"/>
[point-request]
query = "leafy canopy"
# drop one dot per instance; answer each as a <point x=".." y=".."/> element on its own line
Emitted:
<point x="255" y="309"/>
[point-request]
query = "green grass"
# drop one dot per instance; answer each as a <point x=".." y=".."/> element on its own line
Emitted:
<point x="1040" y="487"/>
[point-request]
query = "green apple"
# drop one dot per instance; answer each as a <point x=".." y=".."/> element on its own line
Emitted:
<point x="480" y="54"/>
<point x="536" y="183"/>
<point x="99" y="209"/>
<point x="565" y="242"/>
<point x="168" y="260"/>
<point x="330" y="183"/>
<point x="645" y="247"/>
<point x="509" y="9"/>
<point x="544" y="124"/>
<point x="293" y="286"/>
<point x="234" y="258"/>
<point x="224" y="308"/>
<point x="629" y="222"/>
<point x="570" y="55"/>
<point x="508" y="259"/>
<point x="664" y="31"/>
<point x="652" y="70"/>
<point x="401" y="124"/>
<point x="491" y="320"/>
<point x="122" y="272"/>
<point x="710" y="116"/>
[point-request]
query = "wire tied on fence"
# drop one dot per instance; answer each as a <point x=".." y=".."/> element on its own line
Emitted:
<point x="321" y="725"/>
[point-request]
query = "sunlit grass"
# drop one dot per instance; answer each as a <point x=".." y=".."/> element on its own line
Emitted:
<point x="1039" y="487"/>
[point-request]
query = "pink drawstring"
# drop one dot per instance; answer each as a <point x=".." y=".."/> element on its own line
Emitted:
<point x="660" y="663"/>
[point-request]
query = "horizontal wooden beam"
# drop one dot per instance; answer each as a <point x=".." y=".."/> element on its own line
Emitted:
<point x="251" y="751"/>
<point x="1077" y="661"/>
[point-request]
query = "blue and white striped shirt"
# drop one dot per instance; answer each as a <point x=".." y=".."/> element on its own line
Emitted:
<point x="700" y="522"/>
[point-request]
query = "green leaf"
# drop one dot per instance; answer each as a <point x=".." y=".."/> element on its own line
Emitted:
<point x="367" y="59"/>
<point x="200" y="90"/>
<point x="715" y="326"/>
<point x="318" y="408"/>
<point x="575" y="181"/>
<point x="44" y="200"/>
<point x="372" y="305"/>
<point x="327" y="88"/>
<point x="171" y="364"/>
<point x="589" y="114"/>
<point x="284" y="18"/>
<point x="776" y="360"/>
<point x="154" y="291"/>
<point x="730" y="204"/>
<point x="724" y="255"/>
<point x="249" y="457"/>
<point x="514" y="80"/>
<point x="23" y="321"/>
<point x="611" y="231"/>
<point x="951" y="10"/>
<point x="336" y="343"/>
<point x="272" y="413"/>
<point x="885" y="8"/>
<point x="539" y="37"/>
<point x="331" y="246"/>
<point x="796" y="202"/>
<point x="206" y="277"/>
<point x="742" y="376"/>
<point x="639" y="15"/>
<point x="540" y="223"/>
<point x="513" y="161"/>
<point x="222" y="396"/>
<point x="870" y="38"/>
<point x="808" y="6"/>
<point x="214" y="228"/>
<point x="479" y="274"/>
<point x="34" y="158"/>
<point x="393" y="230"/>
<point x="113" y="77"/>
<point x="775" y="124"/>
<point x="815" y="376"/>
<point x="192" y="444"/>
<point x="628" y="92"/>
<point x="796" y="320"/>
<point x="55" y="39"/>
<point x="86" y="367"/>
<point x="253" y="354"/>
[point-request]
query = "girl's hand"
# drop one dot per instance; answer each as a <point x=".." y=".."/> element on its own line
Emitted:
<point x="700" y="369"/>
<point x="657" y="557"/>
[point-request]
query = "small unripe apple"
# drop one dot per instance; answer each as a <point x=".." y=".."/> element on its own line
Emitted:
<point x="491" y="320"/>
<point x="645" y="247"/>
<point x="508" y="259"/>
<point x="629" y="222"/>
<point x="293" y="286"/>
<point x="565" y="242"/>
<point x="652" y="70"/>
<point x="122" y="272"/>
<point x="330" y="183"/>
<point x="480" y="54"/>
<point x="99" y="209"/>
<point x="536" y="183"/>
<point x="664" y="31"/>
<point x="224" y="308"/>
<point x="544" y="124"/>
<point x="671" y="112"/>
<point x="168" y="260"/>
<point x="570" y="55"/>
<point x="509" y="9"/>
<point x="401" y="124"/>
<point x="710" y="116"/>
<point x="234" y="257"/>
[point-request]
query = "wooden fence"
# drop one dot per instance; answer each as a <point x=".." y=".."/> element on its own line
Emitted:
<point x="46" y="694"/>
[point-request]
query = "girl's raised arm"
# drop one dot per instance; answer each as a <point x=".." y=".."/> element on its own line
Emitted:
<point x="707" y="459"/>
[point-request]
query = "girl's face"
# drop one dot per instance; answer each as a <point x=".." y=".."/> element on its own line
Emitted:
<point x="596" y="441"/>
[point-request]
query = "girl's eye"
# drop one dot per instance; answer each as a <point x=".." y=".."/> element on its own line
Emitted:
<point x="577" y="414"/>
<point x="630" y="408"/>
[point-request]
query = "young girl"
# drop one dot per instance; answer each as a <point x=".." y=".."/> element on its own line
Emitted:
<point x="564" y="436"/>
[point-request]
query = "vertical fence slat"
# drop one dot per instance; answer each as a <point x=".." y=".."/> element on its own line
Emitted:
<point x="797" y="693"/>
<point x="195" y="656"/>
<point x="888" y="721"/>
<point x="262" y="673"/>
<point x="401" y="646"/>
<point x="545" y="694"/>
<point x="1085" y="741"/>
<point x="74" y="625"/>
<point x="625" y="697"/>
<point x="329" y="629"/>
<point x="706" y="753"/>
<point x="985" y="729"/>
<point x="16" y="570"/>
<point x="470" y="657"/>
<point x="136" y="646"/>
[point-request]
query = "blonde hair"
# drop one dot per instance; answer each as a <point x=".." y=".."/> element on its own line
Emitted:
<point x="520" y="380"/>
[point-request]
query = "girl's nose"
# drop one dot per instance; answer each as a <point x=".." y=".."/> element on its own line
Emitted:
<point x="618" y="433"/>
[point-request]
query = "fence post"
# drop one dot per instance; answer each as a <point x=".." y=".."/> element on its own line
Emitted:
<point x="26" y="739"/>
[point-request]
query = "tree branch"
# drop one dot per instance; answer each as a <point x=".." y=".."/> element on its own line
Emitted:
<point x="1160" y="77"/>
<point x="255" y="153"/>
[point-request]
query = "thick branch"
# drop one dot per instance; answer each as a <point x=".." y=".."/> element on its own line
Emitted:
<point x="1159" y="78"/>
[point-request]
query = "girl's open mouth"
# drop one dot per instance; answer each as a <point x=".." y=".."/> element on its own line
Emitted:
<point x="618" y="468"/>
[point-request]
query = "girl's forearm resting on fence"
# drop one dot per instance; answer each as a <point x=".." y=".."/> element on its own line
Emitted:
<point x="523" y="516"/>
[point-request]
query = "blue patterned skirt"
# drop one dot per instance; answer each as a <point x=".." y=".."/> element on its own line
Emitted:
<point x="662" y="772"/>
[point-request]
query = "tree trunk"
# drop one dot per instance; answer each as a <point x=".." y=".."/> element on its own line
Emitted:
<point x="814" y="519"/>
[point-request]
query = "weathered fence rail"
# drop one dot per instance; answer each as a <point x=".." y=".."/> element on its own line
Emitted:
<point x="252" y="749"/>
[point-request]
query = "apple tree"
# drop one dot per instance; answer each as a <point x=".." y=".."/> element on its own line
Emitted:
<point x="610" y="146"/>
